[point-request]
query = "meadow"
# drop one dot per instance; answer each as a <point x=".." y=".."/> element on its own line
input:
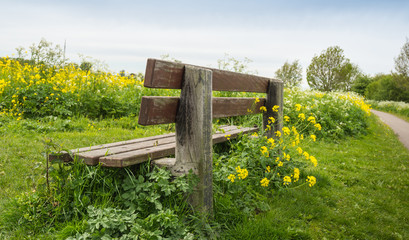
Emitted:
<point x="334" y="171"/>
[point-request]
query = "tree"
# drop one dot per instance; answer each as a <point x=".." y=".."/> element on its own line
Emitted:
<point x="43" y="53"/>
<point x="331" y="71"/>
<point x="401" y="76"/>
<point x="360" y="84"/>
<point x="402" y="61"/>
<point x="290" y="74"/>
<point x="231" y="64"/>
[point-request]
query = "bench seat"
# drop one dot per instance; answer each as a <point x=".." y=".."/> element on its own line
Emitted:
<point x="131" y="152"/>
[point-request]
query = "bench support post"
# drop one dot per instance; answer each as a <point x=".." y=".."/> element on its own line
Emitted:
<point x="194" y="135"/>
<point x="274" y="97"/>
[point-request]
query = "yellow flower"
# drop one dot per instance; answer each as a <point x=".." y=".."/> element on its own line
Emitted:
<point x="296" y="174"/>
<point x="241" y="173"/>
<point x="264" y="151"/>
<point x="301" y="116"/>
<point x="231" y="177"/>
<point x="286" y="118"/>
<point x="257" y="100"/>
<point x="287" y="180"/>
<point x="299" y="150"/>
<point x="297" y="107"/>
<point x="268" y="169"/>
<point x="280" y="164"/>
<point x="286" y="131"/>
<point x="254" y="135"/>
<point x="306" y="155"/>
<point x="312" y="180"/>
<point x="272" y="142"/>
<point x="271" y="120"/>
<point x="311" y="119"/>
<point x="278" y="133"/>
<point x="227" y="136"/>
<point x="313" y="137"/>
<point x="287" y="156"/>
<point x="264" y="182"/>
<point x="275" y="108"/>
<point x="263" y="109"/>
<point x="318" y="126"/>
<point x="313" y="160"/>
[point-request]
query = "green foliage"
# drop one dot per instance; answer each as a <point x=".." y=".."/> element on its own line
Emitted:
<point x="387" y="87"/>
<point x="331" y="71"/>
<point x="290" y="74"/>
<point x="360" y="84"/>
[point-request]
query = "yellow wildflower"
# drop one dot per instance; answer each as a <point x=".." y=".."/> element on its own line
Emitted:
<point x="286" y="118"/>
<point x="278" y="133"/>
<point x="287" y="180"/>
<point x="263" y="109"/>
<point x="264" y="182"/>
<point x="286" y="131"/>
<point x="311" y="119"/>
<point x="312" y="180"/>
<point x="241" y="173"/>
<point x="264" y="151"/>
<point x="275" y="108"/>
<point x="231" y="177"/>
<point x="297" y="107"/>
<point x="299" y="150"/>
<point x="227" y="136"/>
<point x="268" y="169"/>
<point x="257" y="100"/>
<point x="280" y="164"/>
<point x="301" y="116"/>
<point x="313" y="160"/>
<point x="313" y="137"/>
<point x="306" y="155"/>
<point x="318" y="126"/>
<point x="271" y="120"/>
<point x="296" y="174"/>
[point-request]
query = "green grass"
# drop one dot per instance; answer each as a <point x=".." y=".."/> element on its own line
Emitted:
<point x="361" y="193"/>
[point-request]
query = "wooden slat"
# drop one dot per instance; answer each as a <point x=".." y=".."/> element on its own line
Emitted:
<point x="90" y="155"/>
<point x="162" y="110"/>
<point x="156" y="152"/>
<point x="65" y="156"/>
<point x="164" y="74"/>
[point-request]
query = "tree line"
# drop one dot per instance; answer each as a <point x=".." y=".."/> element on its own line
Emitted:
<point x="332" y="71"/>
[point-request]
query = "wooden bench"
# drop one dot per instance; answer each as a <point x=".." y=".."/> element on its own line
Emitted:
<point x="192" y="114"/>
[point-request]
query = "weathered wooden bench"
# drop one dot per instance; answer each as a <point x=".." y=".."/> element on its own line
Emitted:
<point x="192" y="114"/>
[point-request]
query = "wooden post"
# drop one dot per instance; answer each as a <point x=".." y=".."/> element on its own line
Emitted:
<point x="274" y="97"/>
<point x="194" y="135"/>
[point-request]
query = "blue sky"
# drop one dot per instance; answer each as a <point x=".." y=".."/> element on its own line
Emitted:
<point x="124" y="34"/>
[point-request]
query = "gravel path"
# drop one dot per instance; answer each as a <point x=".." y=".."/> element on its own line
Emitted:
<point x="399" y="126"/>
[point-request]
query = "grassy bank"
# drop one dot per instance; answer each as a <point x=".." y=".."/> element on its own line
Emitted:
<point x="361" y="193"/>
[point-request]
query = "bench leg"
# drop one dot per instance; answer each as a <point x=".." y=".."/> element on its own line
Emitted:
<point x="194" y="135"/>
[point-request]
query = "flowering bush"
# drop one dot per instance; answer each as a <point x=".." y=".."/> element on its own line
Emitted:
<point x="36" y="91"/>
<point x="337" y="114"/>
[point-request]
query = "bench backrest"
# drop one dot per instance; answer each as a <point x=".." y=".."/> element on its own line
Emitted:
<point x="170" y="75"/>
<point x="194" y="110"/>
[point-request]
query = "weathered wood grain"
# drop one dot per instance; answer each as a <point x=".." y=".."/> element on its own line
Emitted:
<point x="194" y="136"/>
<point x="164" y="74"/>
<point x="274" y="97"/>
<point x="160" y="151"/>
<point x="162" y="110"/>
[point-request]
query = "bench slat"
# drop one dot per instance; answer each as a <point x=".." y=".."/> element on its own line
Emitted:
<point x="169" y="75"/>
<point x="91" y="155"/>
<point x="162" y="110"/>
<point x="156" y="152"/>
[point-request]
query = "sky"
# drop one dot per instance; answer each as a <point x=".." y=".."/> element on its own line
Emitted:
<point x="124" y="33"/>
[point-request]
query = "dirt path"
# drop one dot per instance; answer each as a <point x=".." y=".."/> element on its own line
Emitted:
<point x="399" y="126"/>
